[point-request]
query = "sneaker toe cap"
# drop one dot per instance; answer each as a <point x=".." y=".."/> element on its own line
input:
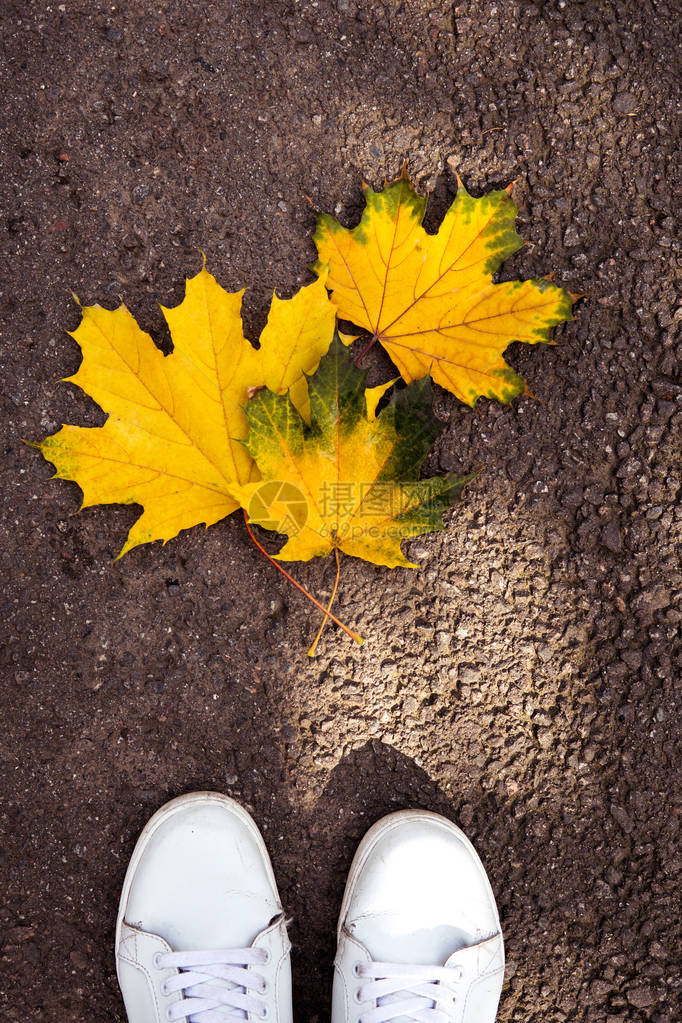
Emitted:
<point x="419" y="889"/>
<point x="202" y="877"/>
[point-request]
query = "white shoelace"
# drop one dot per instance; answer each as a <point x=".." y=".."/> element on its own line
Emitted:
<point x="215" y="985"/>
<point x="421" y="993"/>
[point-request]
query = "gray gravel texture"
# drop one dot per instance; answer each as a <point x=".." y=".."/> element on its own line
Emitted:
<point x="525" y="682"/>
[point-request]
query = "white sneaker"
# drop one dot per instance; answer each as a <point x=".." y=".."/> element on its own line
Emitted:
<point x="201" y="935"/>
<point x="419" y="935"/>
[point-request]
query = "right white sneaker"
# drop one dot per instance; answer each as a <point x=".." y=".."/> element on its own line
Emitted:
<point x="201" y="936"/>
<point x="419" y="934"/>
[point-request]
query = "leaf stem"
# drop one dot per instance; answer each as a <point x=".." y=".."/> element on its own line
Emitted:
<point x="349" y="632"/>
<point x="363" y="353"/>
<point x="313" y="649"/>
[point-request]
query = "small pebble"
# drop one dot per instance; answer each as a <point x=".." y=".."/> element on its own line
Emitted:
<point x="139" y="193"/>
<point x="624" y="103"/>
<point x="641" y="997"/>
<point x="611" y="538"/>
<point x="571" y="237"/>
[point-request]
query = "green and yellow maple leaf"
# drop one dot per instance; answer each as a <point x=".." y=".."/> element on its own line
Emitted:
<point x="430" y="299"/>
<point x="350" y="479"/>
<point x="172" y="440"/>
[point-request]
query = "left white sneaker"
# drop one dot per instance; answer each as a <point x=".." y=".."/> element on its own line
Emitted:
<point x="419" y="935"/>
<point x="201" y="935"/>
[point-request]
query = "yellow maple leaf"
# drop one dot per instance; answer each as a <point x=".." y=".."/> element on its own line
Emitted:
<point x="349" y="480"/>
<point x="172" y="440"/>
<point x="430" y="299"/>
